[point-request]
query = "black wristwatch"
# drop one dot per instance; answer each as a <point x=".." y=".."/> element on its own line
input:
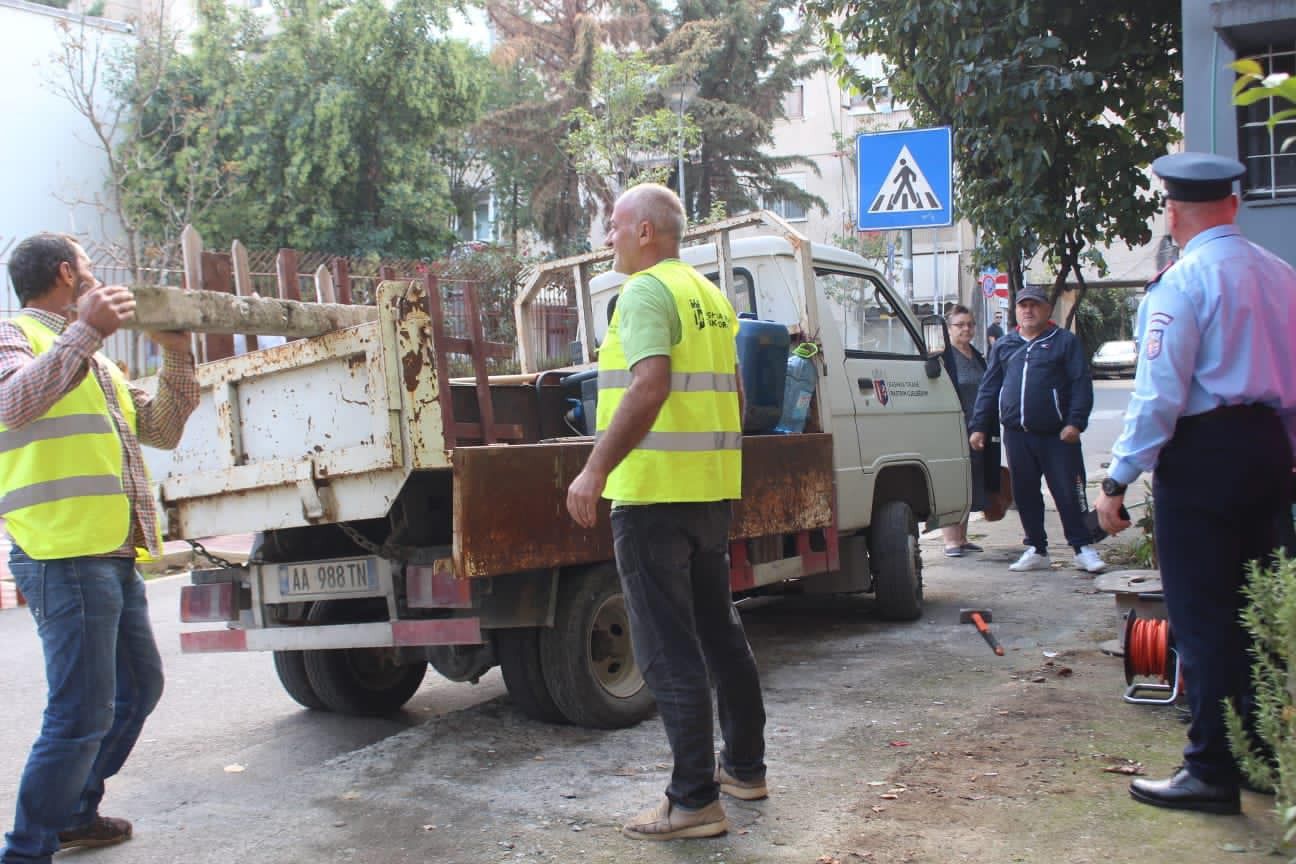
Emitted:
<point x="1111" y="488"/>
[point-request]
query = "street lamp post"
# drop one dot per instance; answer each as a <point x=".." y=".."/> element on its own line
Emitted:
<point x="681" y="92"/>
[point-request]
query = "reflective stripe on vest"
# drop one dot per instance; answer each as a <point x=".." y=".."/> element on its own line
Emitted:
<point x="694" y="450"/>
<point x="61" y="490"/>
<point x="681" y="382"/>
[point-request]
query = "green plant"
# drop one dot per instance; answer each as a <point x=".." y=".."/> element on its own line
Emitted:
<point x="1145" y="552"/>
<point x="1268" y="754"/>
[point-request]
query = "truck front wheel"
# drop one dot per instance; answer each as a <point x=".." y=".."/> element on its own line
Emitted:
<point x="364" y="681"/>
<point x="587" y="657"/>
<point x="897" y="562"/>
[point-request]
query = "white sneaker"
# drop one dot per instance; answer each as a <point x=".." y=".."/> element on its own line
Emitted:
<point x="1087" y="559"/>
<point x="1030" y="560"/>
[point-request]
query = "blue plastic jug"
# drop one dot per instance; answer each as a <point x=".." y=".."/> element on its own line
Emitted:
<point x="800" y="386"/>
<point x="762" y="359"/>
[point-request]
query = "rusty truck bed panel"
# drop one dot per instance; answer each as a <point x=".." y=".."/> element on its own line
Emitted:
<point x="510" y="510"/>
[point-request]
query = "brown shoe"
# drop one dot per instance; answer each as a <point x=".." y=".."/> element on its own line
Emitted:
<point x="669" y="822"/>
<point x="103" y="831"/>
<point x="746" y="790"/>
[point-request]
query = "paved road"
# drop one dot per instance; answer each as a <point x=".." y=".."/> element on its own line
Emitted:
<point x="218" y="710"/>
<point x="228" y="709"/>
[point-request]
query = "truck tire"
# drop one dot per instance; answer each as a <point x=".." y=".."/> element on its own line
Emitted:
<point x="587" y="658"/>
<point x="518" y="650"/>
<point x="360" y="681"/>
<point x="291" y="668"/>
<point x="897" y="562"/>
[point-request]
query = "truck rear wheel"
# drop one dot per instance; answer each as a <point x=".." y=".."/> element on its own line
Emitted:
<point x="897" y="562"/>
<point x="587" y="657"/>
<point x="291" y="668"/>
<point x="364" y="681"/>
<point x="518" y="650"/>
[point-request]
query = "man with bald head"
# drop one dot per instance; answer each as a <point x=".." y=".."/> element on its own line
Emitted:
<point x="1214" y="412"/>
<point x="668" y="455"/>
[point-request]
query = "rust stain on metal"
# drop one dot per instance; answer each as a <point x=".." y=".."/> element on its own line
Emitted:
<point x="510" y="503"/>
<point x="412" y="367"/>
<point x="787" y="485"/>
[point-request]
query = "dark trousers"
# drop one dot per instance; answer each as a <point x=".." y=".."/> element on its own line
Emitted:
<point x="673" y="560"/>
<point x="1032" y="455"/>
<point x="1217" y="488"/>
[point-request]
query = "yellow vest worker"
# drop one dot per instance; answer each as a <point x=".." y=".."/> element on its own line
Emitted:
<point x="694" y="450"/>
<point x="62" y="474"/>
<point x="668" y="453"/>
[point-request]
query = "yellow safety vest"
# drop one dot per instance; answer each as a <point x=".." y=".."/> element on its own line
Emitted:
<point x="61" y="491"/>
<point x="694" y="450"/>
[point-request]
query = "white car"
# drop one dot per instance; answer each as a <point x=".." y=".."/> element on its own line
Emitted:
<point x="1115" y="359"/>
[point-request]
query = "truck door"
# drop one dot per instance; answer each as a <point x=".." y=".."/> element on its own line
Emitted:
<point x="901" y="415"/>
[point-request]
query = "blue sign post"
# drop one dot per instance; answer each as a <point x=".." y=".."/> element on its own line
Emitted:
<point x="906" y="179"/>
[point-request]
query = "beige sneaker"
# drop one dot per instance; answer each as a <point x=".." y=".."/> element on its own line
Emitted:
<point x="668" y="822"/>
<point x="746" y="790"/>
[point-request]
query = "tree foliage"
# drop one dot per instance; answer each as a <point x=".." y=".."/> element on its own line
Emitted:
<point x="1057" y="111"/>
<point x="745" y="58"/>
<point x="559" y="40"/>
<point x="321" y="135"/>
<point x="627" y="135"/>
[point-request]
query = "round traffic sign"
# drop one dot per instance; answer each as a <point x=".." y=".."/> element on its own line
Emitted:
<point x="988" y="285"/>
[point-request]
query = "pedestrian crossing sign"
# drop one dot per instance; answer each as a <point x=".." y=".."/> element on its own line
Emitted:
<point x="906" y="179"/>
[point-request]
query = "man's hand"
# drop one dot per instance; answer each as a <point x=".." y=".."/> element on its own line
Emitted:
<point x="583" y="496"/>
<point x="1070" y="434"/>
<point x="1109" y="515"/>
<point x="106" y="308"/>
<point x="172" y="340"/>
<point x="977" y="440"/>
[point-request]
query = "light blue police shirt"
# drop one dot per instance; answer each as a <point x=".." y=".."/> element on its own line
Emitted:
<point x="1218" y="328"/>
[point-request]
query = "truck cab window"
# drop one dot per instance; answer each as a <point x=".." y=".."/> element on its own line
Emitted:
<point x="744" y="290"/>
<point x="867" y="316"/>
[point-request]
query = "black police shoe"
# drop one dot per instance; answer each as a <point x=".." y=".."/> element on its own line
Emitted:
<point x="1183" y="791"/>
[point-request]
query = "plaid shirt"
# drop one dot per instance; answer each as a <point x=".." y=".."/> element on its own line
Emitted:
<point x="30" y="385"/>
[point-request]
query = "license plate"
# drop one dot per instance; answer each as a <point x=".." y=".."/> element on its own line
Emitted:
<point x="340" y="576"/>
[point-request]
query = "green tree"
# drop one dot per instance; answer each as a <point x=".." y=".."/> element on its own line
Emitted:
<point x="339" y="117"/>
<point x="1253" y="86"/>
<point x="744" y="58"/>
<point x="1057" y="110"/>
<point x="558" y="40"/>
<point x="626" y="135"/>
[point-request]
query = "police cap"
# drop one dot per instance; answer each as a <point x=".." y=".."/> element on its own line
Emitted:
<point x="1197" y="176"/>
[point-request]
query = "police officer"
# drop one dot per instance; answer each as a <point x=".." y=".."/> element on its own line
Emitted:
<point x="1213" y="408"/>
<point x="669" y="455"/>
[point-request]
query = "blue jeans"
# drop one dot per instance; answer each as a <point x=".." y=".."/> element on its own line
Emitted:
<point x="674" y="566"/>
<point x="104" y="676"/>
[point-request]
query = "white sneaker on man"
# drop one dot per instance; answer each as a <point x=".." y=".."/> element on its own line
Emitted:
<point x="1030" y="560"/>
<point x="1087" y="559"/>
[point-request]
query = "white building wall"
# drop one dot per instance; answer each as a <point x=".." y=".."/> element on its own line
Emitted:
<point x="53" y="169"/>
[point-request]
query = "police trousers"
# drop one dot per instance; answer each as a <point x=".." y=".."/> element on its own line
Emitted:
<point x="1217" y="489"/>
<point x="687" y="636"/>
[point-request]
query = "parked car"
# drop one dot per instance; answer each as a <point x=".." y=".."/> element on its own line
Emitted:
<point x="1115" y="359"/>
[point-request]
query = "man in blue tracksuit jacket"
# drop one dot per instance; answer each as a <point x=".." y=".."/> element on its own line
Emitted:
<point x="1037" y="385"/>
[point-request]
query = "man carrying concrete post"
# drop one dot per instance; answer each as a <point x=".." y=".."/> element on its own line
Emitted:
<point x="669" y="457"/>
<point x="76" y="500"/>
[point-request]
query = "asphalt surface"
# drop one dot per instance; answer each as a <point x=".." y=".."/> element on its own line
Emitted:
<point x="226" y="745"/>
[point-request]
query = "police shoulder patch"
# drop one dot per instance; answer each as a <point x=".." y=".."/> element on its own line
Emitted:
<point x="1152" y="344"/>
